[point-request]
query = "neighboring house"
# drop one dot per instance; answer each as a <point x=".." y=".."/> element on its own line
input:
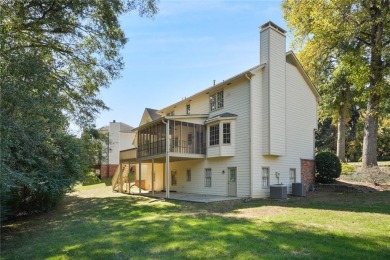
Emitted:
<point x="119" y="138"/>
<point x="237" y="137"/>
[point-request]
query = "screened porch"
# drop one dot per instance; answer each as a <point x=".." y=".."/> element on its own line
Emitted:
<point x="184" y="138"/>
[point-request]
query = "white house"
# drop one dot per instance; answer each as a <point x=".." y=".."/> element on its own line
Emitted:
<point x="235" y="138"/>
<point x="120" y="137"/>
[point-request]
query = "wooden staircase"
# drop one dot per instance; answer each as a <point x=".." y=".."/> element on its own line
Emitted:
<point x="121" y="177"/>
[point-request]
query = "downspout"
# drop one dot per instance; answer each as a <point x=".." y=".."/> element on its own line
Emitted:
<point x="167" y="170"/>
<point x="250" y="137"/>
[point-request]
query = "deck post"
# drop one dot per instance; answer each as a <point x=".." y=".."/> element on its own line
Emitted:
<point x="128" y="180"/>
<point x="120" y="178"/>
<point x="139" y="177"/>
<point x="152" y="177"/>
<point x="167" y="170"/>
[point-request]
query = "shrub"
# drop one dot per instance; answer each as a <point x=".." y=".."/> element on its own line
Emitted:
<point x="328" y="167"/>
<point x="91" y="179"/>
<point x="347" y="169"/>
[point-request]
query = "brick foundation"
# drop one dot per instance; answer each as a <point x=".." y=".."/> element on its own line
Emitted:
<point x="108" y="170"/>
<point x="307" y="172"/>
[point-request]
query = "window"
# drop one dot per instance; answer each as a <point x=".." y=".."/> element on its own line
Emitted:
<point x="226" y="133"/>
<point x="188" y="174"/>
<point x="220" y="100"/>
<point x="214" y="134"/>
<point x="188" y="109"/>
<point x="172" y="113"/>
<point x="207" y="177"/>
<point x="265" y="177"/>
<point x="293" y="176"/>
<point x="173" y="178"/>
<point x="216" y="101"/>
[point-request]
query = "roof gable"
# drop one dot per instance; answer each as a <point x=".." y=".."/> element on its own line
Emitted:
<point x="292" y="59"/>
<point x="149" y="116"/>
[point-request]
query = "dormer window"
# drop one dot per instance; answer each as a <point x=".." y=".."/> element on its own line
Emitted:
<point x="216" y="101"/>
<point x="188" y="109"/>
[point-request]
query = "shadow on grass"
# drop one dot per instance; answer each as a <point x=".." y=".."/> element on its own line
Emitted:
<point x="132" y="227"/>
<point x="378" y="202"/>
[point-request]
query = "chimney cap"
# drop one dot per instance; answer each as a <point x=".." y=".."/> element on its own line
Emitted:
<point x="273" y="26"/>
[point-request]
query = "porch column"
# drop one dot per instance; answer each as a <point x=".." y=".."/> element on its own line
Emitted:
<point x="120" y="178"/>
<point x="128" y="178"/>
<point x="167" y="170"/>
<point x="152" y="177"/>
<point x="139" y="177"/>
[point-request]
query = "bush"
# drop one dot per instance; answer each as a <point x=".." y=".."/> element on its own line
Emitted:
<point x="328" y="167"/>
<point x="347" y="169"/>
<point x="91" y="179"/>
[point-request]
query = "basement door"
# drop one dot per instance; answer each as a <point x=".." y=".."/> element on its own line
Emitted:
<point x="232" y="182"/>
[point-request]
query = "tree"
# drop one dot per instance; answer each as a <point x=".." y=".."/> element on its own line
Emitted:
<point x="55" y="56"/>
<point x="325" y="137"/>
<point x="83" y="38"/>
<point x="333" y="76"/>
<point x="331" y="23"/>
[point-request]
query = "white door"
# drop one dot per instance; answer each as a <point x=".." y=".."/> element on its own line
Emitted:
<point x="232" y="182"/>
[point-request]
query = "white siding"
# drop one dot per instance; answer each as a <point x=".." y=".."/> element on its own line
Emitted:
<point x="126" y="141"/>
<point x="301" y="120"/>
<point x="274" y="104"/>
<point x="199" y="105"/>
<point x="236" y="101"/>
<point x="118" y="141"/>
<point x="114" y="143"/>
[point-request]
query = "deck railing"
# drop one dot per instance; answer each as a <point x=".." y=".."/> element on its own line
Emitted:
<point x="158" y="147"/>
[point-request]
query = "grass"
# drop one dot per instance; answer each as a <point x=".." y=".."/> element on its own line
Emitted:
<point x="381" y="163"/>
<point x="99" y="224"/>
<point x="99" y="184"/>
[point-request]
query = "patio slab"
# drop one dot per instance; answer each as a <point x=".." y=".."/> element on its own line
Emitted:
<point x="202" y="198"/>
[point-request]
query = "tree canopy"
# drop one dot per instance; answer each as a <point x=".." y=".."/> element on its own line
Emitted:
<point x="55" y="57"/>
<point x="354" y="34"/>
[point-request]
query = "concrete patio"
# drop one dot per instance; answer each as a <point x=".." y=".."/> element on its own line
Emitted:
<point x="202" y="198"/>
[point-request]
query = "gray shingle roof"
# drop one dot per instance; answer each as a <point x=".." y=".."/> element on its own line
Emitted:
<point x="153" y="114"/>
<point x="225" y="115"/>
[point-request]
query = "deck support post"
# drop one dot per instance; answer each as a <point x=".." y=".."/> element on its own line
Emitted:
<point x="128" y="179"/>
<point x="120" y="178"/>
<point x="167" y="170"/>
<point x="139" y="177"/>
<point x="153" y="177"/>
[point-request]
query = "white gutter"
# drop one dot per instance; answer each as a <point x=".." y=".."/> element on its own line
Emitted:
<point x="250" y="137"/>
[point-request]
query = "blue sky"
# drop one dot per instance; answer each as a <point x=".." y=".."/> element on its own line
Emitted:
<point x="179" y="52"/>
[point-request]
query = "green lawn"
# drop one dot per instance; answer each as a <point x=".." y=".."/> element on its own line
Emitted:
<point x="96" y="224"/>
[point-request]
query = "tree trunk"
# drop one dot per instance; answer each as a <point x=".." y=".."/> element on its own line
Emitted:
<point x="370" y="136"/>
<point x="376" y="80"/>
<point x="341" y="128"/>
